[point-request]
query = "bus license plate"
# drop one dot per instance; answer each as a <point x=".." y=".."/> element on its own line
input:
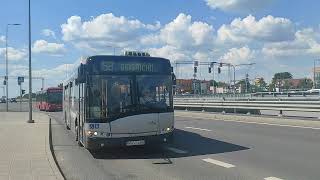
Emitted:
<point x="135" y="143"/>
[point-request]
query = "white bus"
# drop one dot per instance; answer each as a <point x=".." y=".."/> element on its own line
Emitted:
<point x="120" y="101"/>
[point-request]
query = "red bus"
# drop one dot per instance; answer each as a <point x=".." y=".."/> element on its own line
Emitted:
<point x="49" y="99"/>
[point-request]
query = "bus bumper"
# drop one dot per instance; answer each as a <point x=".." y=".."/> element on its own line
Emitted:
<point x="98" y="143"/>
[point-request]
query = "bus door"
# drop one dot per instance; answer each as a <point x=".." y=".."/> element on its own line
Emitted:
<point x="82" y="111"/>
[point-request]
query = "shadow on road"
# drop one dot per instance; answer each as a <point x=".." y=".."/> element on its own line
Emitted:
<point x="193" y="144"/>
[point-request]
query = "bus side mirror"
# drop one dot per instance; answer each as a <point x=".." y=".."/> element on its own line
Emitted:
<point x="174" y="79"/>
<point x="81" y="74"/>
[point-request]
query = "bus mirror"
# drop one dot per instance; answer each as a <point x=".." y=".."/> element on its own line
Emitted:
<point x="174" y="79"/>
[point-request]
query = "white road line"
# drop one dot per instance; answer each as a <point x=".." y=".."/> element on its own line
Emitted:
<point x="269" y="124"/>
<point x="272" y="178"/>
<point x="198" y="129"/>
<point x="219" y="163"/>
<point x="175" y="150"/>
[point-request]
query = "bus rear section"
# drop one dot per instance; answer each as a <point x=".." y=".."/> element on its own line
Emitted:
<point x="122" y="101"/>
<point x="50" y="99"/>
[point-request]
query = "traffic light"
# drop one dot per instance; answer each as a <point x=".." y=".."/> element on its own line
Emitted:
<point x="219" y="70"/>
<point x="196" y="63"/>
<point x="209" y="69"/>
<point x="220" y="65"/>
<point x="23" y="91"/>
<point x="4" y="82"/>
<point x="195" y="69"/>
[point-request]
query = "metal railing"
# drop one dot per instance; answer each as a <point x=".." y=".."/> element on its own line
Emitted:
<point x="249" y="105"/>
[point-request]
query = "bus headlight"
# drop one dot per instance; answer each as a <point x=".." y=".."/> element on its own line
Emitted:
<point x="92" y="133"/>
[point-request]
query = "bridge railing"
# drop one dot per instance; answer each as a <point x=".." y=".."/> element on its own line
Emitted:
<point x="249" y="105"/>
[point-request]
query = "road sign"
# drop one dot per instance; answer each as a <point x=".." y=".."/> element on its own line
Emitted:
<point x="20" y="80"/>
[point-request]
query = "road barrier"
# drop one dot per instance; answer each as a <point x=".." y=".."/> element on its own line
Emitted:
<point x="249" y="105"/>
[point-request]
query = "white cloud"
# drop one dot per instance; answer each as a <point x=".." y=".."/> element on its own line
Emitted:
<point x="269" y="29"/>
<point x="238" y="55"/>
<point x="169" y="52"/>
<point x="14" y="54"/>
<point x="42" y="46"/>
<point x="105" y="30"/>
<point x="48" y="33"/>
<point x="183" y="33"/>
<point x="238" y="5"/>
<point x="306" y="43"/>
<point x="2" y="39"/>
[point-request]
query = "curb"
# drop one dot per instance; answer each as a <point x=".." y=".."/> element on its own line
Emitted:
<point x="52" y="158"/>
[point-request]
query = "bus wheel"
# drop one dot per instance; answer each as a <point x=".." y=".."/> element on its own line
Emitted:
<point x="77" y="133"/>
<point x="65" y="121"/>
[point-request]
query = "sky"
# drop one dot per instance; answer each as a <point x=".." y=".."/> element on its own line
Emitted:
<point x="276" y="35"/>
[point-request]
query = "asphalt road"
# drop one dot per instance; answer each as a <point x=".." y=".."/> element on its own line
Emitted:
<point x="205" y="147"/>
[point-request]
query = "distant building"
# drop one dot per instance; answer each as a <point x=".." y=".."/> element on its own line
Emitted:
<point x="316" y="72"/>
<point x="184" y="86"/>
<point x="192" y="86"/>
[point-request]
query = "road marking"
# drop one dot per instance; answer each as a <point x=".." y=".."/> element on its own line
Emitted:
<point x="272" y="178"/>
<point x="175" y="150"/>
<point x="219" y="163"/>
<point x="269" y="124"/>
<point x="198" y="129"/>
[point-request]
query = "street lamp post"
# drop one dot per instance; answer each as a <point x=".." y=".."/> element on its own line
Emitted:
<point x="30" y="70"/>
<point x="7" y="72"/>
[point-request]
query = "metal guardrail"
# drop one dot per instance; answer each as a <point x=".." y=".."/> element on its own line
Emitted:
<point x="248" y="105"/>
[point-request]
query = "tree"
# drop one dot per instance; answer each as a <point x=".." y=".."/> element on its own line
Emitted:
<point x="243" y="85"/>
<point x="306" y="83"/>
<point x="278" y="80"/>
<point x="281" y="76"/>
<point x="260" y="85"/>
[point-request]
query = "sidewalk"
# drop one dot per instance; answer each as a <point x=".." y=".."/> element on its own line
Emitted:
<point x="24" y="148"/>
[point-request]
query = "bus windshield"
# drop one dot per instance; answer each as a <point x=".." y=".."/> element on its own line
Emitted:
<point x="55" y="97"/>
<point x="113" y="97"/>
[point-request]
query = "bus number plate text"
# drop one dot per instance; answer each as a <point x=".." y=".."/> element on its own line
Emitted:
<point x="135" y="143"/>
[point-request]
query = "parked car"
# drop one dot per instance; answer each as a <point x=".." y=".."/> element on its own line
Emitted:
<point x="2" y="100"/>
<point x="13" y="100"/>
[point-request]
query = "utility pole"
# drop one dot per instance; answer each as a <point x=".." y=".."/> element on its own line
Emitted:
<point x="30" y="70"/>
<point x="7" y="70"/>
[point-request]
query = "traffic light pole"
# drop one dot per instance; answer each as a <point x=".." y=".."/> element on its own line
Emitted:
<point x="20" y="97"/>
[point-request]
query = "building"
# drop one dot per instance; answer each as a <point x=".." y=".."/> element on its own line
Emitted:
<point x="192" y="86"/>
<point x="316" y="78"/>
<point x="184" y="86"/>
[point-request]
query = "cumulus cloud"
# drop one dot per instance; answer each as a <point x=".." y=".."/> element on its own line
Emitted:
<point x="105" y="29"/>
<point x="2" y="39"/>
<point x="238" y="5"/>
<point x="238" y="55"/>
<point x="169" y="52"/>
<point x="42" y="46"/>
<point x="267" y="29"/>
<point x="183" y="33"/>
<point x="48" y="33"/>
<point x="306" y="42"/>
<point x="14" y="54"/>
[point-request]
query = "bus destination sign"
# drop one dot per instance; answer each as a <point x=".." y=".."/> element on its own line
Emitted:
<point x="109" y="66"/>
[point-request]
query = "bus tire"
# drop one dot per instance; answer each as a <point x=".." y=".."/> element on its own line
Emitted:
<point x="65" y="121"/>
<point x="76" y="129"/>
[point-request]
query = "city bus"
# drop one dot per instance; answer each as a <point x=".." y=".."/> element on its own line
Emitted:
<point x="49" y="99"/>
<point x="120" y="101"/>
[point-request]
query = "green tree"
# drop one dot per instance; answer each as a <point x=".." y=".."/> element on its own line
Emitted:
<point x="243" y="84"/>
<point x="279" y="80"/>
<point x="281" y="76"/>
<point x="306" y="83"/>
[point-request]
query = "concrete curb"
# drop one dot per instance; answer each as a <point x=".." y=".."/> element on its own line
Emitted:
<point x="51" y="156"/>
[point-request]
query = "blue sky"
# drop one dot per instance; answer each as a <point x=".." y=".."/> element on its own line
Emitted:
<point x="278" y="35"/>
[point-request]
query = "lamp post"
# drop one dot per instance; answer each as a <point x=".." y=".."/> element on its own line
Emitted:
<point x="6" y="78"/>
<point x="30" y="70"/>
